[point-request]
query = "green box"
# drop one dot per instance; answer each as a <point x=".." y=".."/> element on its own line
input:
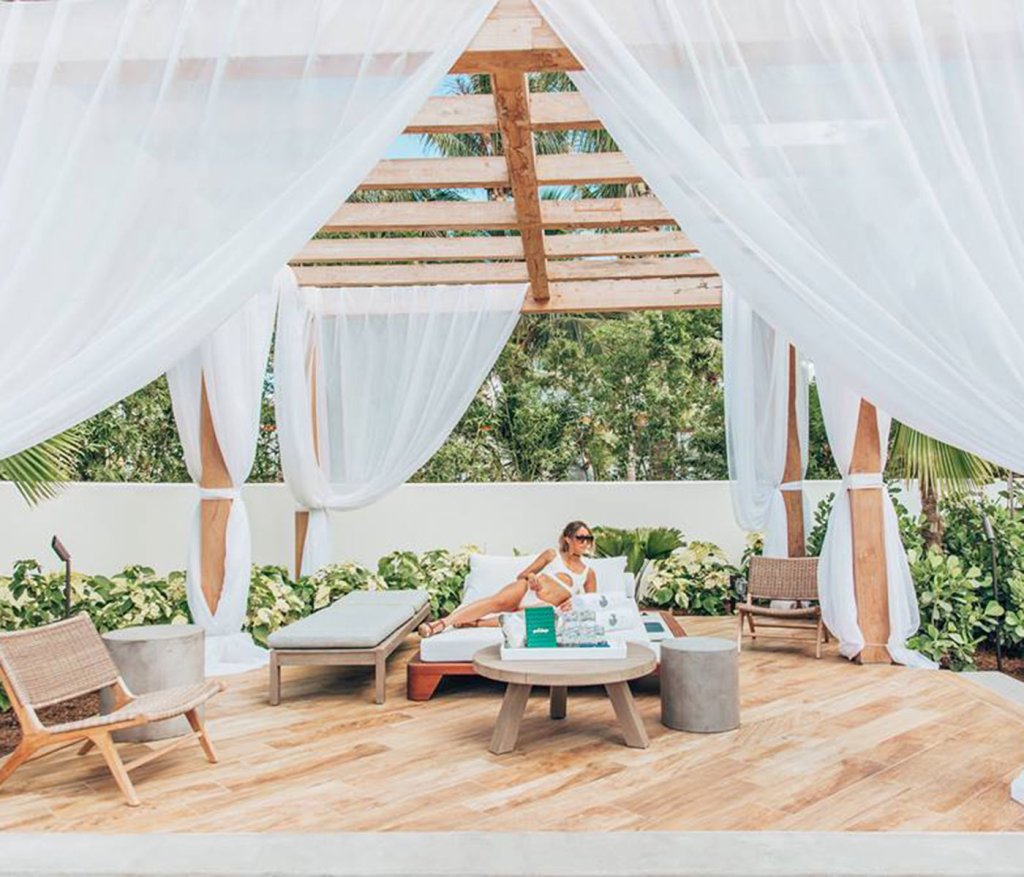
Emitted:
<point x="540" y="627"/>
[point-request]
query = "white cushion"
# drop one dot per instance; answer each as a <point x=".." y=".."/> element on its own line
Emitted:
<point x="609" y="572"/>
<point x="489" y="573"/>
<point x="458" y="644"/>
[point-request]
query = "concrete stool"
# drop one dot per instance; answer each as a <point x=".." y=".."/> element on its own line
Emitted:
<point x="152" y="657"/>
<point x="700" y="684"/>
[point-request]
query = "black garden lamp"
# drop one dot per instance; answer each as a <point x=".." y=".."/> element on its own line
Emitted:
<point x="65" y="555"/>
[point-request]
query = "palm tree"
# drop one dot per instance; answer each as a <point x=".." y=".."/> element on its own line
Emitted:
<point x="40" y="472"/>
<point x="939" y="469"/>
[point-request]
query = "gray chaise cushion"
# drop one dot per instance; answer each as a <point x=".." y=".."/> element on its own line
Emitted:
<point x="360" y="620"/>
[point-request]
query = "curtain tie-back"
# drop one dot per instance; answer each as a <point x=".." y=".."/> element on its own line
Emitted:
<point x="863" y="481"/>
<point x="220" y="493"/>
<point x="791" y="485"/>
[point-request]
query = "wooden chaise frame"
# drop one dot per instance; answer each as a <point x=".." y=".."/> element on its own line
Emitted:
<point x="375" y="656"/>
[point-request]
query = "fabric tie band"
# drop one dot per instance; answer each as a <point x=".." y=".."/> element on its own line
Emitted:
<point x="220" y="493"/>
<point x="791" y="485"/>
<point x="863" y="481"/>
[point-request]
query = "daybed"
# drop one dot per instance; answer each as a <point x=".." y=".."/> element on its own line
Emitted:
<point x="451" y="653"/>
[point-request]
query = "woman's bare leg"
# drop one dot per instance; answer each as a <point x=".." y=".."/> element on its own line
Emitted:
<point x="506" y="600"/>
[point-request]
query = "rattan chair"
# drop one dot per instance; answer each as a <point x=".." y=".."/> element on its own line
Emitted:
<point x="784" y="579"/>
<point x="48" y="665"/>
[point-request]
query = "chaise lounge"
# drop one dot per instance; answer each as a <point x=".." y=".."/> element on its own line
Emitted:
<point x="362" y="628"/>
<point x="451" y="653"/>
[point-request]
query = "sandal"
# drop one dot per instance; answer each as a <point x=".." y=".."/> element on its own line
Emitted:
<point x="431" y="628"/>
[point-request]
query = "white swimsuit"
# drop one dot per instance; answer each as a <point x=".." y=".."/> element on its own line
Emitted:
<point x="557" y="568"/>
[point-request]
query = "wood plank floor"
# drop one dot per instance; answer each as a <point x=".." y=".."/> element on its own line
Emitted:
<point x="824" y="745"/>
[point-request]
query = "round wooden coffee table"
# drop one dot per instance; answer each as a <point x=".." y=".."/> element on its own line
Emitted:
<point x="521" y="676"/>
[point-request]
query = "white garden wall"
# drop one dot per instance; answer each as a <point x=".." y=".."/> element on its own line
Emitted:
<point x="106" y="526"/>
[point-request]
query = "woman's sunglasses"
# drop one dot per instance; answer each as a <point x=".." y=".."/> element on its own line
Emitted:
<point x="585" y="538"/>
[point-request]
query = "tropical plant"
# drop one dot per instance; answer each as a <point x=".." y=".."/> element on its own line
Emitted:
<point x="940" y="469"/>
<point x="40" y="471"/>
<point x="754" y="547"/>
<point x="637" y="546"/>
<point x="440" y="572"/>
<point x="954" y="616"/>
<point x="696" y="578"/>
<point x="274" y="601"/>
<point x="333" y="582"/>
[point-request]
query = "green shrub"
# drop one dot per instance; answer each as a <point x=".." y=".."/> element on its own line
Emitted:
<point x="753" y="548"/>
<point x="440" y="572"/>
<point x="637" y="546"/>
<point x="910" y="527"/>
<point x="954" y="615"/>
<point x="333" y="582"/>
<point x="274" y="601"/>
<point x="696" y="578"/>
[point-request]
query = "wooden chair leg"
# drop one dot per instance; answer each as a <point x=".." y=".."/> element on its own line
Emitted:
<point x="16" y="759"/>
<point x="199" y="729"/>
<point x="86" y="747"/>
<point x="275" y="679"/>
<point x="108" y="750"/>
<point x="753" y="630"/>
<point x="380" y="675"/>
<point x="739" y="634"/>
<point x="817" y="640"/>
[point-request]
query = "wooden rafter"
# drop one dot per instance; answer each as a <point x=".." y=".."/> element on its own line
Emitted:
<point x="575" y="253"/>
<point x="473" y="215"/>
<point x="491" y="172"/>
<point x="510" y="99"/>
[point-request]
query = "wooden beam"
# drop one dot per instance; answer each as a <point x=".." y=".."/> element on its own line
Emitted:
<point x="213" y="513"/>
<point x="561" y="111"/>
<point x="491" y="172"/>
<point x="581" y="296"/>
<point x="479" y="215"/>
<point x="466" y="248"/>
<point x="628" y="243"/>
<point x="796" y="540"/>
<point x="515" y="38"/>
<point x="498" y="272"/>
<point x="510" y="100"/>
<point x="870" y="582"/>
<point x="475" y="113"/>
<point x="410" y="249"/>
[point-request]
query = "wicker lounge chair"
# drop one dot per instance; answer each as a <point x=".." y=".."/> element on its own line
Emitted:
<point x="51" y="664"/>
<point x="785" y="579"/>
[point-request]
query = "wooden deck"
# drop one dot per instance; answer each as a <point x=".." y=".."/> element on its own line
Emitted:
<point x="823" y="746"/>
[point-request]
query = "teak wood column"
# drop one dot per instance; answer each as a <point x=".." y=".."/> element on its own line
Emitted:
<point x="870" y="582"/>
<point x="302" y="517"/>
<point x="794" y="499"/>
<point x="213" y="513"/>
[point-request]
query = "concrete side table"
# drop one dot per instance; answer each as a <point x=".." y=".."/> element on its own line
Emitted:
<point x="152" y="657"/>
<point x="700" y="684"/>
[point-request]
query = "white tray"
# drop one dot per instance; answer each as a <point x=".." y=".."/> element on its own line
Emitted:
<point x="611" y="652"/>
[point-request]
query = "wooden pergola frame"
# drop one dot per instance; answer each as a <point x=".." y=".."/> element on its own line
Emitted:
<point x="587" y="255"/>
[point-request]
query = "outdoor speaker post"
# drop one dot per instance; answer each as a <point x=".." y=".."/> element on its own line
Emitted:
<point x="64" y="554"/>
<point x="990" y="537"/>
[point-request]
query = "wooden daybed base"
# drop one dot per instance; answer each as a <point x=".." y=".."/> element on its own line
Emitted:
<point x="423" y="677"/>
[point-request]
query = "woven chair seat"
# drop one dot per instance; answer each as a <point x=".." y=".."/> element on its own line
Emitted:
<point x="811" y="612"/>
<point x="152" y="707"/>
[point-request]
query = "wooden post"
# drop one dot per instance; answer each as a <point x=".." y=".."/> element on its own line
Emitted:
<point x="794" y="499"/>
<point x="302" y="517"/>
<point x="213" y="513"/>
<point x="870" y="581"/>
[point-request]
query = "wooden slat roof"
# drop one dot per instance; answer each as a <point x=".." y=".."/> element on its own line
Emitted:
<point x="579" y="254"/>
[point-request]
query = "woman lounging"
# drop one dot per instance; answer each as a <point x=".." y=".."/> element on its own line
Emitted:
<point x="553" y="578"/>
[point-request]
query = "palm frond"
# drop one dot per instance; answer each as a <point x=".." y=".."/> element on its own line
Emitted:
<point x="934" y="463"/>
<point x="40" y="472"/>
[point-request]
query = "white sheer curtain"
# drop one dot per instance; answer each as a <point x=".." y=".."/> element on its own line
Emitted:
<point x="232" y="364"/>
<point x="854" y="168"/>
<point x="394" y="368"/>
<point x="757" y="421"/>
<point x="160" y="159"/>
<point x="840" y="408"/>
